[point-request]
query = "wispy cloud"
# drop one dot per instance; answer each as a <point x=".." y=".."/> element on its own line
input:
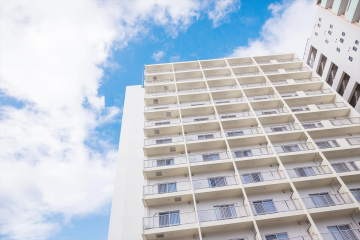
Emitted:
<point x="222" y="9"/>
<point x="175" y="58"/>
<point x="52" y="59"/>
<point x="158" y="55"/>
<point x="285" y="32"/>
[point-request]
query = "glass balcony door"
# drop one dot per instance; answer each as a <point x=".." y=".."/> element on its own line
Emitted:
<point x="322" y="200"/>
<point x="225" y="212"/>
<point x="167" y="219"/>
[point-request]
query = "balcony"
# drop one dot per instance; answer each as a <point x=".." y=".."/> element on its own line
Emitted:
<point x="261" y="97"/>
<point x="343" y="167"/>
<point x="327" y="144"/>
<point x="226" y="87"/>
<point x="313" y="124"/>
<point x="345" y="121"/>
<point x="326" y="200"/>
<point x="318" y="92"/>
<point x="353" y="141"/>
<point x="160" y="107"/>
<point x="158" y="81"/>
<point x="350" y="234"/>
<point x="331" y="105"/>
<point x="279" y="82"/>
<point x="163" y="140"/>
<point x="258" y="177"/>
<point x="222" y="213"/>
<point x="194" y="104"/>
<point x="289" y="94"/>
<point x="202" y="118"/>
<point x="162" y="188"/>
<point x="251" y="152"/>
<point x="271" y="207"/>
<point x="247" y="74"/>
<point x="235" y="115"/>
<point x="214" y="182"/>
<point x="263" y="62"/>
<point x="206" y="157"/>
<point x="180" y="69"/>
<point x="282" y="128"/>
<point x="300" y="108"/>
<point x="192" y="90"/>
<point x="271" y="71"/>
<point x="164" y="162"/>
<point x="158" y="71"/>
<point x="240" y="64"/>
<point x="228" y="100"/>
<point x="258" y="84"/>
<point x="218" y="76"/>
<point x="162" y="122"/>
<point x="242" y="132"/>
<point x="308" y="171"/>
<point x="296" y="147"/>
<point x="211" y="66"/>
<point x="271" y="111"/>
<point x="191" y="78"/>
<point x="306" y="80"/>
<point x="296" y="69"/>
<point x="162" y="93"/>
<point x="288" y="60"/>
<point x="203" y="136"/>
<point x="171" y="219"/>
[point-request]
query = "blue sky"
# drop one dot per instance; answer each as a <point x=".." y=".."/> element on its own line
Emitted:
<point x="62" y="87"/>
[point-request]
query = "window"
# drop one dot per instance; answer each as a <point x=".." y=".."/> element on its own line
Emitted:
<point x="279" y="129"/>
<point x="217" y="182"/>
<point x="167" y="219"/>
<point x="327" y="144"/>
<point x="162" y="141"/>
<point x="269" y="112"/>
<point x="166" y="88"/>
<point x="162" y="123"/>
<point x="243" y="153"/>
<point x="211" y="157"/>
<point x="312" y="56"/>
<point x="322" y="200"/>
<point x="355" y="49"/>
<point x="228" y="116"/>
<point x="350" y="58"/>
<point x="235" y="133"/>
<point x="319" y="25"/>
<point x="316" y="34"/>
<point x="357" y="42"/>
<point x="305" y="172"/>
<point x="167" y="188"/>
<point x="225" y="211"/>
<point x="197" y="104"/>
<point x="338" y="49"/>
<point x="355" y="95"/>
<point x="276" y="236"/>
<point x="343" y="34"/>
<point x="343" y="83"/>
<point x="342" y="232"/>
<point x="331" y="26"/>
<point x="332" y="74"/>
<point x="155" y="101"/>
<point x="327" y="41"/>
<point x="329" y="32"/>
<point x="252" y="178"/>
<point x="345" y="167"/>
<point x="322" y="64"/>
<point x="319" y="19"/>
<point x="264" y="207"/>
<point x="165" y="162"/>
<point x="341" y="40"/>
<point x="205" y="136"/>
<point x="154" y="78"/>
<point x="356" y="193"/>
<point x="201" y="119"/>
<point x="291" y="148"/>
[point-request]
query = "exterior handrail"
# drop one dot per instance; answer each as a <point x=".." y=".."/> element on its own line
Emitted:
<point x="223" y="213"/>
<point x="348" y="234"/>
<point x="186" y="68"/>
<point x="315" y="92"/>
<point x="214" y="66"/>
<point x="331" y="105"/>
<point x="313" y="79"/>
<point x="344" y="121"/>
<point x="327" y="200"/>
<point x="169" y="220"/>
<point x="263" y="208"/>
<point x="158" y="71"/>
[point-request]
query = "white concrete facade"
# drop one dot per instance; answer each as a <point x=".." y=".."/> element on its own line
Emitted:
<point x="237" y="148"/>
<point x="336" y="36"/>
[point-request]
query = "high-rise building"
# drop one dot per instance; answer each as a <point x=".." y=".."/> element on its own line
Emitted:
<point x="237" y="148"/>
<point x="333" y="50"/>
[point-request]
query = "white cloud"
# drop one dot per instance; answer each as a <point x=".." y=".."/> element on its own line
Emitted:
<point x="175" y="58"/>
<point x="158" y="55"/>
<point x="285" y="32"/>
<point x="221" y="9"/>
<point x="53" y="163"/>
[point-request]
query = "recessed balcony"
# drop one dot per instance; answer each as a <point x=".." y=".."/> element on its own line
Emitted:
<point x="262" y="97"/>
<point x="246" y="72"/>
<point x="172" y="165"/>
<point x="214" y="182"/>
<point x="300" y="69"/>
<point x="279" y="82"/>
<point x="161" y="107"/>
<point x="288" y="60"/>
<point x="192" y="90"/>
<point x="322" y="200"/>
<point x="229" y="100"/>
<point x="235" y="115"/>
<point x="194" y="104"/>
<point x="307" y="80"/>
<point x="186" y="66"/>
<point x="300" y="108"/>
<point x="203" y="136"/>
<point x="346" y="167"/>
<point x="271" y="111"/>
<point x="163" y="140"/>
<point x="159" y="80"/>
<point x="353" y="141"/>
<point x="289" y="95"/>
<point x="226" y="87"/>
<point x="160" y="93"/>
<point x="331" y="105"/>
<point x="338" y="234"/>
<point x="162" y="122"/>
<point x="220" y="63"/>
<point x="239" y="132"/>
<point x="294" y="147"/>
<point x="308" y="171"/>
<point x="247" y="152"/>
<point x="265" y="207"/>
<point x="260" y="177"/>
<point x="208" y="156"/>
<point x="221" y="213"/>
<point x="159" y="68"/>
<point x="201" y="118"/>
<point x="282" y="128"/>
<point x="240" y="62"/>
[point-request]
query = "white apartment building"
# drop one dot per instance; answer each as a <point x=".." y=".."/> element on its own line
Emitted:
<point x="333" y="50"/>
<point x="255" y="148"/>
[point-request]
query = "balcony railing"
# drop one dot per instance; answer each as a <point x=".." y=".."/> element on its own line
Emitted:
<point x="263" y="62"/>
<point x="288" y="60"/>
<point x="214" y="182"/>
<point x="161" y="162"/>
<point x="257" y="177"/>
<point x="195" y="104"/>
<point x="171" y="219"/>
<point x="186" y="69"/>
<point x="271" y="111"/>
<point x="271" y="207"/>
<point x="169" y="187"/>
<point x="162" y="122"/>
<point x="241" y="64"/>
<point x="245" y="74"/>
<point x="250" y="152"/>
<point x="350" y="234"/>
<point x="159" y="81"/>
<point x="318" y="92"/>
<point x="206" y="157"/>
<point x="345" y="121"/>
<point x="251" y="85"/>
<point x="331" y="105"/>
<point x="313" y="124"/>
<point x="307" y="237"/>
<point x="289" y="94"/>
<point x="282" y="128"/>
<point x="214" y="66"/>
<point x="261" y="97"/>
<point x="228" y="100"/>
<point x="308" y="171"/>
<point x="304" y="80"/>
<point x="300" y="108"/>
<point x="158" y="71"/>
<point x="296" y="147"/>
<point x="235" y="115"/>
<point x="227" y="87"/>
<point x="326" y="200"/>
<point x="275" y="71"/>
<point x="345" y="167"/>
<point x="280" y="82"/>
<point x="242" y="131"/>
<point x="186" y="79"/>
<point x="159" y="107"/>
<point x="297" y="69"/>
<point x="162" y="93"/>
<point x="203" y="136"/>
<point x="353" y="141"/>
<point x="327" y="144"/>
<point x="163" y="140"/>
<point x="218" y="76"/>
<point x="223" y="213"/>
<point x="202" y="118"/>
<point x="192" y="90"/>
